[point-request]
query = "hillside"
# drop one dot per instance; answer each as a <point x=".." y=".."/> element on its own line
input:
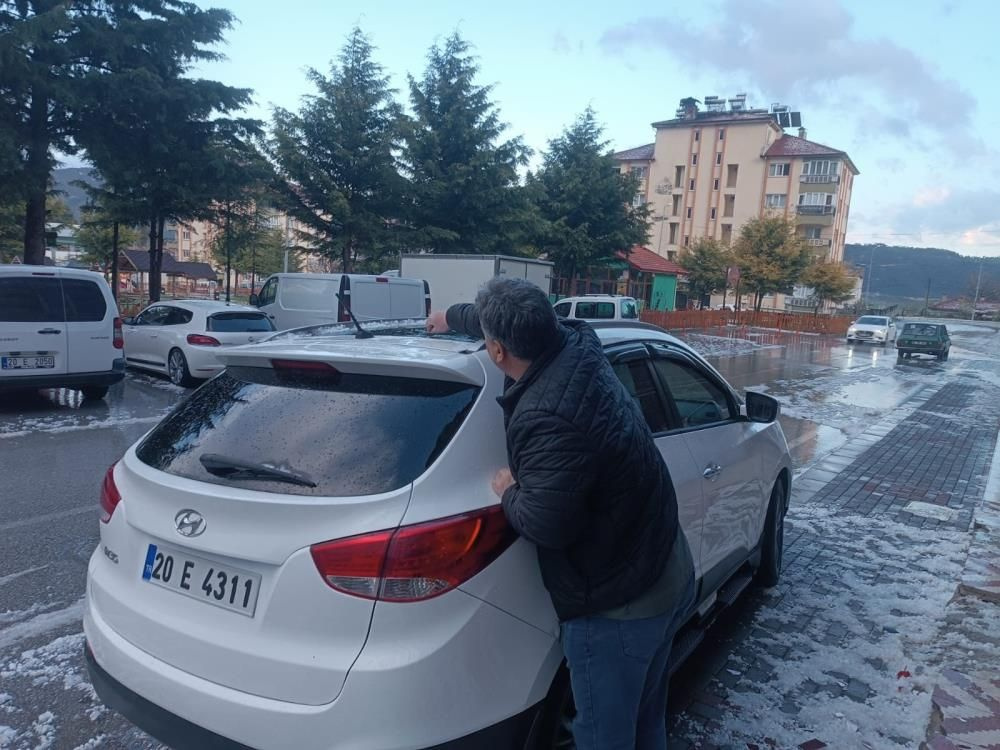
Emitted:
<point x="904" y="271"/>
<point x="75" y="197"/>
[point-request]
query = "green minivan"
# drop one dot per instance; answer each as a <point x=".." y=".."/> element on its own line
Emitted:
<point x="923" y="338"/>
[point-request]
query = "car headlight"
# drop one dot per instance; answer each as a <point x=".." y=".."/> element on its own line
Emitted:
<point x="852" y="329"/>
<point x="880" y="334"/>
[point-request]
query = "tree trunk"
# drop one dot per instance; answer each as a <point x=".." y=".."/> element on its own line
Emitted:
<point x="156" y="261"/>
<point x="229" y="251"/>
<point x="345" y="255"/>
<point x="114" y="261"/>
<point x="37" y="178"/>
<point x="152" y="256"/>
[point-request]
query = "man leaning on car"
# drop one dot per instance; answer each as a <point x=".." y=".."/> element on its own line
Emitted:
<point x="588" y="486"/>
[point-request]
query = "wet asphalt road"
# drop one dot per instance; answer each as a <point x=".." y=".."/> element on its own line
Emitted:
<point x="54" y="450"/>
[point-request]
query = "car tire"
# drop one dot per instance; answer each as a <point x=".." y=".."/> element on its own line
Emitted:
<point x="772" y="543"/>
<point x="554" y="731"/>
<point x="94" y="392"/>
<point x="177" y="369"/>
<point x="946" y="353"/>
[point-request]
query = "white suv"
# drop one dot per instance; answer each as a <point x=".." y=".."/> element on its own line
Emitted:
<point x="307" y="552"/>
<point x="59" y="328"/>
<point x="598" y="307"/>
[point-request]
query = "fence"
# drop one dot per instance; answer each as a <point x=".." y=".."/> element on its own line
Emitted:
<point x="679" y="320"/>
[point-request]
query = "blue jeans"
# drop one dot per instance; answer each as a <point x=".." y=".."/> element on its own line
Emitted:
<point x="618" y="672"/>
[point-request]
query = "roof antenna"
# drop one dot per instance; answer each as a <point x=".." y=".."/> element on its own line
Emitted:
<point x="362" y="333"/>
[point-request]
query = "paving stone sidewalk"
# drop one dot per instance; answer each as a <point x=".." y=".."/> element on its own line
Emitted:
<point x="856" y="647"/>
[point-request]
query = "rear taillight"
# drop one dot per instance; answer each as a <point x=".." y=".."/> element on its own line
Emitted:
<point x="110" y="497"/>
<point x="413" y="563"/>
<point x="118" y="339"/>
<point x="199" y="339"/>
<point x="427" y="299"/>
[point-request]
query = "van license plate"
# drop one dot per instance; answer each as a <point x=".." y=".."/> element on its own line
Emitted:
<point x="27" y="363"/>
<point x="206" y="580"/>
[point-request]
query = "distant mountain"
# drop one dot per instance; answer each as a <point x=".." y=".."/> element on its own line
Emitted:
<point x="76" y="197"/>
<point x="904" y="271"/>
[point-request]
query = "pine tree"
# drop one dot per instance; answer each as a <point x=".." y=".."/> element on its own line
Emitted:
<point x="585" y="204"/>
<point x="335" y="158"/>
<point x="465" y="189"/>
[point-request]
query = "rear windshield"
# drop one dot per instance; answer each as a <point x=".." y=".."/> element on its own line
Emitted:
<point x="239" y="322"/>
<point x="920" y="329"/>
<point x="84" y="301"/>
<point x="31" y="299"/>
<point x="869" y="320"/>
<point x="350" y="434"/>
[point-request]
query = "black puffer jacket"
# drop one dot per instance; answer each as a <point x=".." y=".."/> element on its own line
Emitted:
<point x="592" y="492"/>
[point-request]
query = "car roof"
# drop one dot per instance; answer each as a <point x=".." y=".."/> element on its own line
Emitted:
<point x="207" y="305"/>
<point x="19" y="269"/>
<point x="595" y="298"/>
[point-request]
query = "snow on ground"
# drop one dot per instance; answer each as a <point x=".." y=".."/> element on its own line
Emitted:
<point x="722" y="346"/>
<point x="867" y="619"/>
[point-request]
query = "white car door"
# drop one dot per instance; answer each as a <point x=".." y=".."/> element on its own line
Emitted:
<point x="632" y="365"/>
<point x="170" y="334"/>
<point x="706" y="417"/>
<point x="89" y="325"/>
<point x="32" y="325"/>
<point x="141" y="335"/>
<point x="267" y="301"/>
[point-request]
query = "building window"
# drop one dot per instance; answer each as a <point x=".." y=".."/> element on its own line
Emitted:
<point x="641" y="172"/>
<point x="722" y="134"/>
<point x="638" y="199"/>
<point x="679" y="175"/>
<point x="779" y="170"/>
<point x="816" y="199"/>
<point x="732" y="174"/>
<point x="673" y="232"/>
<point x="677" y="204"/>
<point x="730" y="206"/>
<point x="691" y="185"/>
<point x="689" y="211"/>
<point x="697" y="135"/>
<point x="694" y="159"/>
<point x="820" y="167"/>
<point x="687" y="240"/>
<point x="813" y="233"/>
<point x="713" y="214"/>
<point x="718" y="158"/>
<point x="727" y="233"/>
<point x="170" y="235"/>
<point x="715" y="184"/>
<point x="775" y="200"/>
<point x="187" y="234"/>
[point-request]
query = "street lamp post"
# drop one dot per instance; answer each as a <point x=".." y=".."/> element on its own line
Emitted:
<point x="979" y="281"/>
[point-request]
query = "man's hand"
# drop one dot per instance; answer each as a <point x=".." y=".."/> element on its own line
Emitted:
<point x="437" y="322"/>
<point x="502" y="481"/>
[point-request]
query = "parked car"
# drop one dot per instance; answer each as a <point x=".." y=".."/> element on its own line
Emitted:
<point x="294" y="300"/>
<point x="598" y="307"/>
<point x="182" y="338"/>
<point x="877" y="329"/>
<point x="59" y="328"/>
<point x="307" y="552"/>
<point x="923" y="338"/>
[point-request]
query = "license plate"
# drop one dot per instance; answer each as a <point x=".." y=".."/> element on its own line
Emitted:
<point x="205" y="580"/>
<point x="27" y="363"/>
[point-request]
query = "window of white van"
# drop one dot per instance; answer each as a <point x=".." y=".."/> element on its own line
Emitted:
<point x="595" y="310"/>
<point x="268" y="294"/>
<point x="30" y="299"/>
<point x="84" y="301"/>
<point x="563" y="308"/>
<point x="309" y="294"/>
<point x="630" y="310"/>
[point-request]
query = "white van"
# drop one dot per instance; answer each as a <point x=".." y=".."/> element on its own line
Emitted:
<point x="292" y="300"/>
<point x="598" y="307"/>
<point x="59" y="328"/>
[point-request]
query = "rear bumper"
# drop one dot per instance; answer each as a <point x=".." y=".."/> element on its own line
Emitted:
<point x="65" y="380"/>
<point x="178" y="732"/>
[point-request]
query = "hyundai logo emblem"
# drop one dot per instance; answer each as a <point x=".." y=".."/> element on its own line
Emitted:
<point x="189" y="523"/>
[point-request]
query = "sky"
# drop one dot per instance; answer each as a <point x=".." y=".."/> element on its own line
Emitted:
<point x="903" y="86"/>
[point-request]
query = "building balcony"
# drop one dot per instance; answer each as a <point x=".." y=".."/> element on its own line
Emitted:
<point x="816" y="210"/>
<point x="820" y="179"/>
<point x="818" y="242"/>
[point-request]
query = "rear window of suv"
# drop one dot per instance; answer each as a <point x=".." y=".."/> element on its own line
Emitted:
<point x="239" y="322"/>
<point x="31" y="299"/>
<point x="349" y="434"/>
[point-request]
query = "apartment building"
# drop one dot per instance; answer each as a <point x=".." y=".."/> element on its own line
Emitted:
<point x="711" y="170"/>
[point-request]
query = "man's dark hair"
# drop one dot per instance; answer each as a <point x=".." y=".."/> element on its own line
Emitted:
<point x="517" y="313"/>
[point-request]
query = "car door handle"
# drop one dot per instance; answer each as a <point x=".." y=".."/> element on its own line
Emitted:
<point x="712" y="471"/>
<point x="50" y="330"/>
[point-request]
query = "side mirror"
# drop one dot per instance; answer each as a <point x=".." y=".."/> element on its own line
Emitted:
<point x="254" y="300"/>
<point x="761" y="408"/>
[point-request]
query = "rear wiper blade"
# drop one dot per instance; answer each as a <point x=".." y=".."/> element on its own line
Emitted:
<point x="234" y="468"/>
<point x="362" y="333"/>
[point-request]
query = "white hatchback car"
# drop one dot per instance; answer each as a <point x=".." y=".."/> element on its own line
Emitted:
<point x="59" y="328"/>
<point x="307" y="552"/>
<point x="182" y="338"/>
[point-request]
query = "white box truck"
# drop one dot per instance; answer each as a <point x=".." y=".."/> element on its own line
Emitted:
<point x="457" y="278"/>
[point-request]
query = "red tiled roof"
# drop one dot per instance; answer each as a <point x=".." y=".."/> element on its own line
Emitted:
<point x="643" y="259"/>
<point x="790" y="145"/>
<point x="636" y="154"/>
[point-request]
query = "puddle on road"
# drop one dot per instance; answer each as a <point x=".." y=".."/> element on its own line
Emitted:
<point x="810" y="441"/>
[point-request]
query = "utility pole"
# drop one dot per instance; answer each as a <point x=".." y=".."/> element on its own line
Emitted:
<point x="927" y="297"/>
<point x="979" y="281"/>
